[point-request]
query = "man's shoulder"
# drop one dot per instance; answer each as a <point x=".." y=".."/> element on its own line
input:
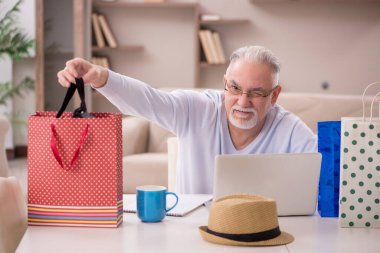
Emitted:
<point x="285" y="117"/>
<point x="290" y="121"/>
<point x="216" y="95"/>
<point x="280" y="113"/>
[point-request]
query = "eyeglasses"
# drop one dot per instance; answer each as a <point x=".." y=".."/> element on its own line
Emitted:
<point x="236" y="90"/>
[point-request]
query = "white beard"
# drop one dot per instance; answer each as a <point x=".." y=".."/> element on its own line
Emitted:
<point x="243" y="123"/>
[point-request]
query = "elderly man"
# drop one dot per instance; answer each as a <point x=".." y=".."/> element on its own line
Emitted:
<point x="242" y="119"/>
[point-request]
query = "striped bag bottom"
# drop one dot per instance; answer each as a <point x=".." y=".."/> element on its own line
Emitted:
<point x="76" y="216"/>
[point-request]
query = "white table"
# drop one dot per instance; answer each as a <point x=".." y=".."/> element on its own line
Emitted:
<point x="180" y="234"/>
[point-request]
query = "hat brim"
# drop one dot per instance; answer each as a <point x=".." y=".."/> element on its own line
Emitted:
<point x="282" y="239"/>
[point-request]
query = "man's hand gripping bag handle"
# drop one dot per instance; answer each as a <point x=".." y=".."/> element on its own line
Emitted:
<point x="80" y="112"/>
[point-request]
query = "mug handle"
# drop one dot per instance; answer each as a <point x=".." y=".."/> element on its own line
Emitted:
<point x="176" y="201"/>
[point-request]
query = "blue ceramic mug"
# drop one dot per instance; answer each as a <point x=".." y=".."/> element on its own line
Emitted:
<point x="151" y="202"/>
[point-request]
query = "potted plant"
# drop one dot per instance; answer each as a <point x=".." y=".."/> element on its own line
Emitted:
<point x="15" y="44"/>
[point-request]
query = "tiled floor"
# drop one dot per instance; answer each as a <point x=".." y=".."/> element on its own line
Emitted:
<point x="18" y="169"/>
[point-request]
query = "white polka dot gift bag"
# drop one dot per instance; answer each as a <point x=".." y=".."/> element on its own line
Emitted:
<point x="75" y="167"/>
<point x="360" y="171"/>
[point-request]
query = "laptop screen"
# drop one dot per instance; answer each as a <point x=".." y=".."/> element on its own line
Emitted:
<point x="290" y="179"/>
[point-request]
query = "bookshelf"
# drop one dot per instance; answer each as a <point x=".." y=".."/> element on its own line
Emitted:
<point x="214" y="26"/>
<point x="54" y="46"/>
<point x="224" y="21"/>
<point x="174" y="5"/>
<point x="240" y="24"/>
<point x="205" y="65"/>
<point x="158" y="43"/>
<point x="119" y="48"/>
<point x="211" y="73"/>
<point x="151" y="38"/>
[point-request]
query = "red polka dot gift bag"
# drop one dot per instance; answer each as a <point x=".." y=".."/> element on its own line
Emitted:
<point x="360" y="171"/>
<point x="75" y="167"/>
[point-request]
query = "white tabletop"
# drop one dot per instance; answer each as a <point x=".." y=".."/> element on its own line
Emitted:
<point x="180" y="234"/>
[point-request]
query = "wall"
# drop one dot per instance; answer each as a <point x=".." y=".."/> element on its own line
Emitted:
<point x="316" y="41"/>
<point x="333" y="42"/>
<point x="164" y="33"/>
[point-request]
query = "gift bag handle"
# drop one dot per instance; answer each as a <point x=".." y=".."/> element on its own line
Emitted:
<point x="57" y="155"/>
<point x="373" y="100"/>
<point x="69" y="94"/>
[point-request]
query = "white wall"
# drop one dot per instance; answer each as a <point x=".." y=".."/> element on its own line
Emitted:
<point x="316" y="41"/>
<point x="25" y="18"/>
<point x="331" y="41"/>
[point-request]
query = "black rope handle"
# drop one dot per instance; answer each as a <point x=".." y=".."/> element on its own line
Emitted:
<point x="80" y="112"/>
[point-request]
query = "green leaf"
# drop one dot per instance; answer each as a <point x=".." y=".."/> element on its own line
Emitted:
<point x="13" y="40"/>
<point x="8" y="91"/>
<point x="15" y="43"/>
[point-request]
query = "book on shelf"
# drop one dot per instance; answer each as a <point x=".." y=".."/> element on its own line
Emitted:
<point x="219" y="48"/>
<point x="101" y="61"/>
<point x="202" y="54"/>
<point x="211" y="43"/>
<point x="106" y="63"/>
<point x="96" y="31"/>
<point x="212" y="47"/>
<point x="205" y="46"/>
<point x="107" y="32"/>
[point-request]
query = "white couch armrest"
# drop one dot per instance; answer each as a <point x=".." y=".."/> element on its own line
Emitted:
<point x="13" y="214"/>
<point x="135" y="135"/>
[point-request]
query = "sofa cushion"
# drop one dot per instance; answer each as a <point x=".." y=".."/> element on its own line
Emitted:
<point x="312" y="108"/>
<point x="158" y="136"/>
<point x="13" y="214"/>
<point x="135" y="135"/>
<point x="144" y="169"/>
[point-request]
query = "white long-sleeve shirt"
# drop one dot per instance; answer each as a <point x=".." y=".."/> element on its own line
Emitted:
<point x="199" y="120"/>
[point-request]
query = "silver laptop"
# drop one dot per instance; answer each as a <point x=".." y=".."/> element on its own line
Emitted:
<point x="290" y="179"/>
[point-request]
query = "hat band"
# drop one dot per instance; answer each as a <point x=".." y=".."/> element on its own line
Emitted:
<point x="253" y="237"/>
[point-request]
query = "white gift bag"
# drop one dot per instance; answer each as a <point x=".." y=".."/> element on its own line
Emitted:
<point x="360" y="171"/>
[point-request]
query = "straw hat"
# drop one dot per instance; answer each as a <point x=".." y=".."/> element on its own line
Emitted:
<point x="244" y="220"/>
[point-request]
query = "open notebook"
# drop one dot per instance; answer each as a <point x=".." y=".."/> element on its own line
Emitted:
<point x="186" y="203"/>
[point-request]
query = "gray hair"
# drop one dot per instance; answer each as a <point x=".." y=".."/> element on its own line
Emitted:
<point x="257" y="54"/>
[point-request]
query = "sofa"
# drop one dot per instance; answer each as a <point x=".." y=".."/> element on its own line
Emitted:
<point x="146" y="158"/>
<point x="13" y="214"/>
<point x="145" y="155"/>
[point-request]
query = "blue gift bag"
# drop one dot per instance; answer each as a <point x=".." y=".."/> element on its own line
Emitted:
<point x="329" y="147"/>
